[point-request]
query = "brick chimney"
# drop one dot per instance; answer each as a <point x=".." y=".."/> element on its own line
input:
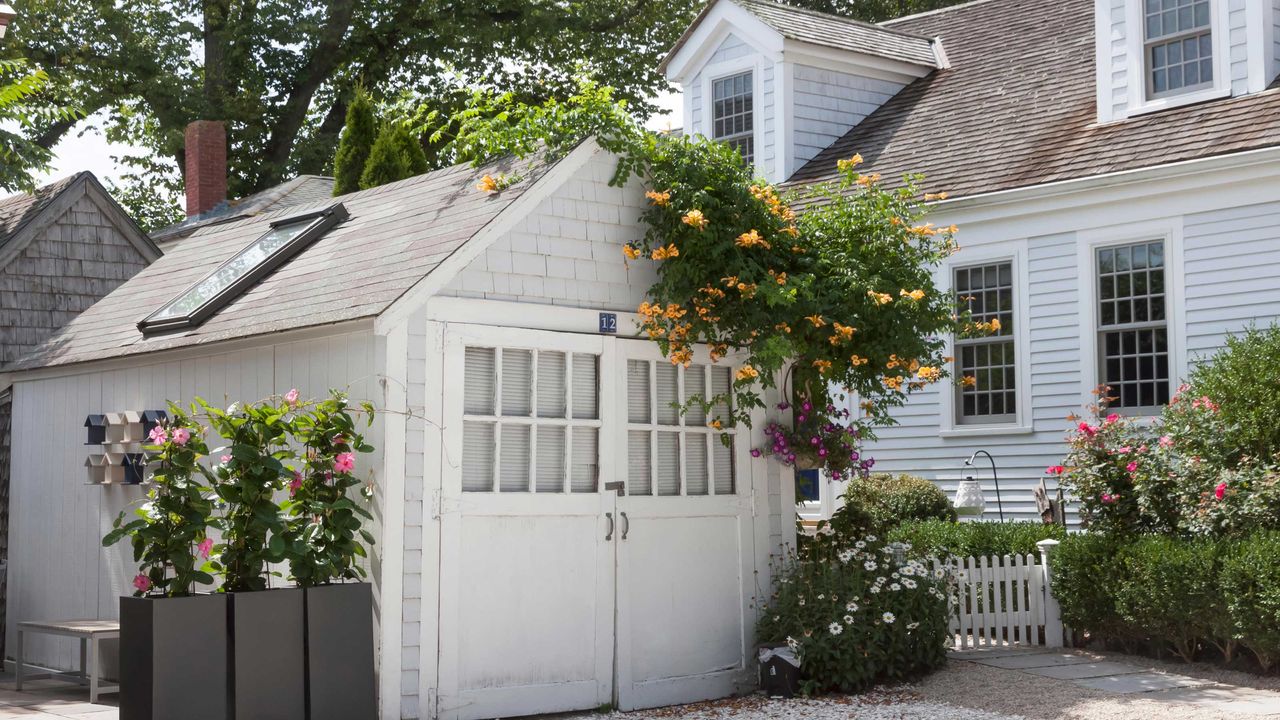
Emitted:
<point x="206" y="166"/>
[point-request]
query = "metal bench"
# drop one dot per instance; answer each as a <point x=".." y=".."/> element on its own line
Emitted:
<point x="89" y="632"/>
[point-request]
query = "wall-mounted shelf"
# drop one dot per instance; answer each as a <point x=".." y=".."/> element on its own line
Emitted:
<point x="117" y="440"/>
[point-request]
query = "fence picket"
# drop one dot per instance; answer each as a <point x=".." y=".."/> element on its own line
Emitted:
<point x="999" y="600"/>
<point x="974" y="611"/>
<point x="1013" y="604"/>
<point x="1035" y="590"/>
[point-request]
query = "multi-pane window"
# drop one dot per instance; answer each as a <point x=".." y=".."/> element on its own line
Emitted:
<point x="1133" y="332"/>
<point x="670" y="453"/>
<point x="531" y="421"/>
<point x="1179" y="46"/>
<point x="733" y="114"/>
<point x="986" y="365"/>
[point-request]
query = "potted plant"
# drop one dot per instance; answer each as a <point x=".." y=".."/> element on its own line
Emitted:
<point x="324" y="540"/>
<point x="266" y="626"/>
<point x="173" y="640"/>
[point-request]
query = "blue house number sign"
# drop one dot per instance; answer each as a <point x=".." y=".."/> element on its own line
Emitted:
<point x="608" y="322"/>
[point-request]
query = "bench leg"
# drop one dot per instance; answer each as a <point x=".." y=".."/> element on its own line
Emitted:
<point x="84" y="668"/>
<point x="17" y="663"/>
<point x="93" y="670"/>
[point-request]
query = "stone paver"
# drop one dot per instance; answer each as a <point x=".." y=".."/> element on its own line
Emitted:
<point x="1246" y="701"/>
<point x="1024" y="661"/>
<point x="1140" y="682"/>
<point x="1082" y="670"/>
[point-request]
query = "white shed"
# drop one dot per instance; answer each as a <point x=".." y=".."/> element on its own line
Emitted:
<point x="552" y="534"/>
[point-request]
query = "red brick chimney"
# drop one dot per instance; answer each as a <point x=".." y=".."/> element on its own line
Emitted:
<point x="206" y="166"/>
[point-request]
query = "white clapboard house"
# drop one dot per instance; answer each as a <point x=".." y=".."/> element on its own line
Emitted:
<point x="552" y="536"/>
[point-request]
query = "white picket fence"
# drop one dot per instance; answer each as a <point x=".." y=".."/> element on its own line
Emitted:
<point x="1004" y="600"/>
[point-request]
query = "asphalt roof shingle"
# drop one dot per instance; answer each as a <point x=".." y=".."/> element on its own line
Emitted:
<point x="18" y="210"/>
<point x="296" y="191"/>
<point x="842" y="33"/>
<point x="1017" y="108"/>
<point x="396" y="235"/>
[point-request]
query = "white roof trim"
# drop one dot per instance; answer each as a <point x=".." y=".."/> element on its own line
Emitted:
<point x="720" y="20"/>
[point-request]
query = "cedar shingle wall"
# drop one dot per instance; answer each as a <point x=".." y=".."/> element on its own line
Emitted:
<point x="70" y="265"/>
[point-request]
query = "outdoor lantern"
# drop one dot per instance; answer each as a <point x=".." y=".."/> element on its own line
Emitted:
<point x="7" y="14"/>
<point x="969" y="499"/>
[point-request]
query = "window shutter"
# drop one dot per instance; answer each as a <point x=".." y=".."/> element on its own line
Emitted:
<point x="638" y="410"/>
<point x="639" y="463"/>
<point x="478" y="383"/>
<point x="695" y="384"/>
<point x="550" y="463"/>
<point x="586" y="444"/>
<point x="720" y="386"/>
<point x="668" y="463"/>
<point x="513" y="470"/>
<point x="477" y="457"/>
<point x="723" y="459"/>
<point x="517" y="383"/>
<point x="586" y="387"/>
<point x="666" y="385"/>
<point x="551" y="390"/>
<point x="695" y="463"/>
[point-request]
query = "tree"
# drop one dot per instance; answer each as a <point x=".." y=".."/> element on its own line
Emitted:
<point x="410" y="146"/>
<point x="20" y="107"/>
<point x="358" y="136"/>
<point x="387" y="160"/>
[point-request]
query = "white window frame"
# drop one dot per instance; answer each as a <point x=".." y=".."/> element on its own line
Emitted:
<point x="1139" y="98"/>
<point x="1088" y="242"/>
<point x="721" y="70"/>
<point x="1015" y="253"/>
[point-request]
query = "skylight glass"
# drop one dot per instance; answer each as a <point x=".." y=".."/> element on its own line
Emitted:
<point x="284" y="240"/>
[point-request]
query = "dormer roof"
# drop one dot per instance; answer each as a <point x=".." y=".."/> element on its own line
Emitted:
<point x="816" y="29"/>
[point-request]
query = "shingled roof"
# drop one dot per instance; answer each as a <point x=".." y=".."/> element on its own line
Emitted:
<point x="296" y="191"/>
<point x="826" y="30"/>
<point x="1017" y="108"/>
<point x="16" y="211"/>
<point x="395" y="236"/>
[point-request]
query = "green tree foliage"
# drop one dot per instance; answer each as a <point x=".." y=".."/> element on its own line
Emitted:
<point x="387" y="161"/>
<point x="22" y="108"/>
<point x="358" y="136"/>
<point x="874" y="10"/>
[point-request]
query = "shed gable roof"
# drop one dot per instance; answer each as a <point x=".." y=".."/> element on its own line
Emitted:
<point x="301" y="190"/>
<point x="396" y="235"/>
<point x="1017" y="108"/>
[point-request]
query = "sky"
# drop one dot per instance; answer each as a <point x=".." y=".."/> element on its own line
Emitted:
<point x="91" y="151"/>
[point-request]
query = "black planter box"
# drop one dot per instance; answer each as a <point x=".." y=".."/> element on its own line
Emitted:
<point x="268" y="671"/>
<point x="173" y="658"/>
<point x="340" y="681"/>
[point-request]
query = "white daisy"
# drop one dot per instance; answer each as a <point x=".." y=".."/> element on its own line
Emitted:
<point x="835" y="628"/>
<point x="860" y="544"/>
<point x="908" y="583"/>
<point x="895" y="587"/>
<point x="908" y="570"/>
<point x="913" y="626"/>
<point x="848" y="619"/>
<point x="870" y="565"/>
<point x="888" y="618"/>
<point x="851" y="607"/>
<point x="822" y="597"/>
<point x="875" y="589"/>
<point x="871" y="538"/>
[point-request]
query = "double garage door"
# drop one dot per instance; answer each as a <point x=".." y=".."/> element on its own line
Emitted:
<point x="597" y="546"/>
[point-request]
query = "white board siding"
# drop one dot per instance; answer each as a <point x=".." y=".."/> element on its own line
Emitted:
<point x="1232" y="259"/>
<point x="569" y="250"/>
<point x="1118" y="55"/>
<point x="731" y="48"/>
<point x="1238" y="47"/>
<point x="1274" y="19"/>
<point x="827" y="103"/>
<point x="57" y="566"/>
<point x="768" y="152"/>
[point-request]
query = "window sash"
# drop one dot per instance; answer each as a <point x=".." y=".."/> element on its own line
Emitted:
<point x="743" y="140"/>
<point x="1203" y="64"/>
<point x="1102" y="331"/>
<point x="1010" y="396"/>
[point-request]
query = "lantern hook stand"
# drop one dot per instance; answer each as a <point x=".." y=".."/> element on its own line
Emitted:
<point x="994" y="477"/>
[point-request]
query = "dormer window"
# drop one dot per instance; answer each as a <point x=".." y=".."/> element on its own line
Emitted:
<point x="1178" y="45"/>
<point x="733" y="114"/>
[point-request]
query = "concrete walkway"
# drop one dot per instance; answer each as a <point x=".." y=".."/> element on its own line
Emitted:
<point x="1123" y="678"/>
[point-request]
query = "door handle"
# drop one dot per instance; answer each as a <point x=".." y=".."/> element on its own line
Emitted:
<point x="626" y="525"/>
<point x="609" y="535"/>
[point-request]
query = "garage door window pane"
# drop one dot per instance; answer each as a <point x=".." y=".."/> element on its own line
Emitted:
<point x="477" y="457"/>
<point x="551" y="454"/>
<point x="479" y="384"/>
<point x="586" y="448"/>
<point x="513" y="470"/>
<point x="639" y="463"/>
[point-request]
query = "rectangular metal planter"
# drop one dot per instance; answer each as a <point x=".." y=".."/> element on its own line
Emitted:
<point x="340" y="682"/>
<point x="268" y="666"/>
<point x="173" y="658"/>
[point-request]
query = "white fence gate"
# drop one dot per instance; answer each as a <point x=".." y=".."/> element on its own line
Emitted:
<point x="1004" y="600"/>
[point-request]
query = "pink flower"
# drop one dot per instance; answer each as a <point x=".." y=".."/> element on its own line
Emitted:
<point x="344" y="463"/>
<point x="291" y="397"/>
<point x="205" y="547"/>
<point x="1220" y="491"/>
<point x="158" y="437"/>
<point x="1088" y="429"/>
<point x="181" y="436"/>
<point x="1108" y="498"/>
<point x="1131" y="467"/>
<point x="224" y="459"/>
<point x="1166" y="442"/>
<point x="1111" y="418"/>
<point x="296" y="482"/>
<point x="1055" y="469"/>
<point x="339" y="439"/>
<point x="1124" y="450"/>
<point x="142" y="582"/>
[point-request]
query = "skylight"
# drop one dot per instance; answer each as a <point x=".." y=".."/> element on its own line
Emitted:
<point x="286" y="238"/>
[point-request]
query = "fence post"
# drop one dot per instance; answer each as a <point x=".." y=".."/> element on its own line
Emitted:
<point x="1052" y="613"/>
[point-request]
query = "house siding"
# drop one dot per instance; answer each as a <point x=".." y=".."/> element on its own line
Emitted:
<point x="1238" y="47"/>
<point x="569" y="250"/>
<point x="1231" y="259"/>
<point x="71" y="264"/>
<point x="826" y="103"/>
<point x="1117" y="52"/>
<point x="58" y="567"/>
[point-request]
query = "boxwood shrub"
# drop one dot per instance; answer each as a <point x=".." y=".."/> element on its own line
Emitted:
<point x="940" y="538"/>
<point x="879" y="502"/>
<point x="1250" y="584"/>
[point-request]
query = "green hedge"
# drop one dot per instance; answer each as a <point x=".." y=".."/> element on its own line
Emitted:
<point x="941" y="538"/>
<point x="877" y="503"/>
<point x="1176" y="594"/>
